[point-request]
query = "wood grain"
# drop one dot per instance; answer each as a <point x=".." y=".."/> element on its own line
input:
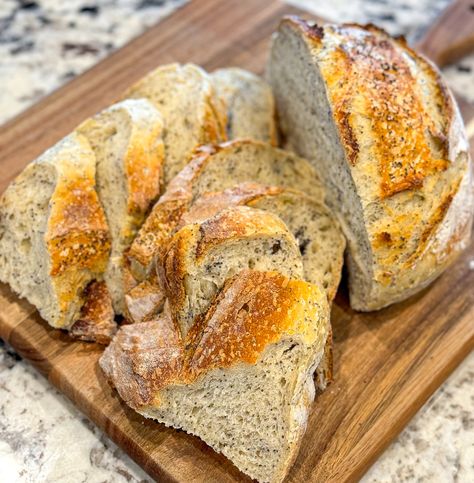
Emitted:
<point x="386" y="363"/>
<point x="451" y="37"/>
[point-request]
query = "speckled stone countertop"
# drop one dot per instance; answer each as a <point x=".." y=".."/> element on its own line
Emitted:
<point x="43" y="438"/>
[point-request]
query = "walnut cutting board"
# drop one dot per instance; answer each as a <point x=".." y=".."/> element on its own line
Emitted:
<point x="386" y="363"/>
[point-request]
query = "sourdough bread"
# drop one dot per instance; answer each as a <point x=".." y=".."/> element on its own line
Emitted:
<point x="127" y="142"/>
<point x="54" y="238"/>
<point x="242" y="380"/>
<point x="384" y="133"/>
<point x="248" y="103"/>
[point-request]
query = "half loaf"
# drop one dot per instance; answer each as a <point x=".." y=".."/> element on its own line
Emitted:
<point x="383" y="131"/>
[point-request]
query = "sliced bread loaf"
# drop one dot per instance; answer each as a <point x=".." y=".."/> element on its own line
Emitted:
<point x="127" y="142"/>
<point x="186" y="99"/>
<point x="54" y="238"/>
<point x="200" y="257"/>
<point x="242" y="380"/>
<point x="382" y="129"/>
<point x="216" y="168"/>
<point x="248" y="103"/>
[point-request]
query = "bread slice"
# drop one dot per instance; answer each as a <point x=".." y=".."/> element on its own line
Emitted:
<point x="216" y="168"/>
<point x="54" y="238"/>
<point x="186" y="99"/>
<point x="382" y="129"/>
<point x="249" y="104"/>
<point x="316" y="230"/>
<point x="200" y="257"/>
<point x="127" y="142"/>
<point x="242" y="380"/>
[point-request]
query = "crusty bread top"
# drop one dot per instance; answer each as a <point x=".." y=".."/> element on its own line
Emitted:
<point x="195" y="241"/>
<point x="404" y="143"/>
<point x="77" y="233"/>
<point x="369" y="73"/>
<point x="253" y="310"/>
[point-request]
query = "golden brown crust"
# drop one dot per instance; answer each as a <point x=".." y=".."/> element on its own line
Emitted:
<point x="77" y="235"/>
<point x="171" y="271"/>
<point x="96" y="322"/>
<point x="253" y="310"/>
<point x="144" y="168"/>
<point x="235" y="223"/>
<point x="165" y="215"/>
<point x="367" y="73"/>
<point x="372" y="68"/>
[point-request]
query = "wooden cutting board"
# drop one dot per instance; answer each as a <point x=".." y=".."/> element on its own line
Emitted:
<point x="386" y="363"/>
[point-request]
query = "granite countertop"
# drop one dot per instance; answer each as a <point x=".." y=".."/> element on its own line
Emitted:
<point x="43" y="437"/>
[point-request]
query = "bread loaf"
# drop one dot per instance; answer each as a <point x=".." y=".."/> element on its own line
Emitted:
<point x="384" y="133"/>
<point x="54" y="239"/>
<point x="128" y="146"/>
<point x="248" y="103"/>
<point x="215" y="168"/>
<point x="242" y="379"/>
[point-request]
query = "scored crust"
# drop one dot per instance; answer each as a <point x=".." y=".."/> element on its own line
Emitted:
<point x="188" y="249"/>
<point x="77" y="235"/>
